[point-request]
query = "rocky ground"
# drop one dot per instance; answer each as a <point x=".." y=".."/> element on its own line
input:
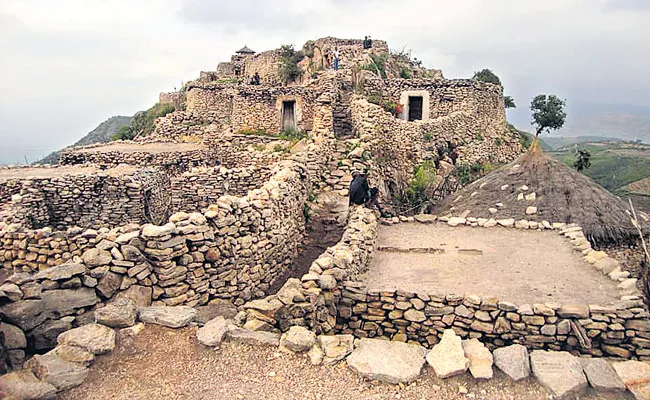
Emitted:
<point x="161" y="363"/>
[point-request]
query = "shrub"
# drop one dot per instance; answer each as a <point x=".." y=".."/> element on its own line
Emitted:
<point x="498" y="142"/>
<point x="428" y="137"/>
<point x="479" y="137"/>
<point x="405" y="73"/>
<point x="289" y="59"/>
<point x="377" y="65"/>
<point x="292" y="135"/>
<point x="423" y="182"/>
<point x="259" y="147"/>
<point x="143" y="122"/>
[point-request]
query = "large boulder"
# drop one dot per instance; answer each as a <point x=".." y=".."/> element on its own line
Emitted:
<point x="447" y="358"/>
<point x="480" y="359"/>
<point x="213" y="332"/>
<point x="57" y="372"/>
<point x="14" y="337"/>
<point x="601" y="375"/>
<point x="24" y="385"/>
<point x="121" y="313"/>
<point x="96" y="338"/>
<point x="72" y="354"/>
<point x="25" y="314"/>
<point x="171" y="317"/>
<point x="390" y="362"/>
<point x="559" y="373"/>
<point x="513" y="361"/>
<point x="298" y="339"/>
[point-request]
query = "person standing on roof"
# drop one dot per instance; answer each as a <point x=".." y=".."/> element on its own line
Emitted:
<point x="337" y="55"/>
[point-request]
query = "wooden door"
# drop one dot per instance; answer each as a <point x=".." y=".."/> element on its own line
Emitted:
<point x="288" y="115"/>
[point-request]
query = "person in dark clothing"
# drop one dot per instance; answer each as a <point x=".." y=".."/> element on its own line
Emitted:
<point x="255" y="80"/>
<point x="362" y="194"/>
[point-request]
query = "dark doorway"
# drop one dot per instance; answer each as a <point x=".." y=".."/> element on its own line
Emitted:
<point x="415" y="108"/>
<point x="288" y="115"/>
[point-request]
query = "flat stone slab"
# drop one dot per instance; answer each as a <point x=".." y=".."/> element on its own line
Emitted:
<point x="513" y="361"/>
<point x="447" y="358"/>
<point x="601" y="375"/>
<point x="559" y="373"/>
<point x="25" y="386"/>
<point x="171" y="317"/>
<point x="213" y="332"/>
<point x="96" y="338"/>
<point x="253" y="338"/>
<point x="480" y="359"/>
<point x="60" y="373"/>
<point x="335" y="347"/>
<point x="390" y="362"/>
<point x="61" y="272"/>
<point x="634" y="374"/>
<point x="72" y="354"/>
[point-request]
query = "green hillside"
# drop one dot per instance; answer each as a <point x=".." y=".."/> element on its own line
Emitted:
<point x="614" y="164"/>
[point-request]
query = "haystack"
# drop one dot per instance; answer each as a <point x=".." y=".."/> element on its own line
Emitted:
<point x="539" y="188"/>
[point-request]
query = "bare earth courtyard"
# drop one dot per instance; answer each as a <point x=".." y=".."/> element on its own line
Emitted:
<point x="511" y="265"/>
<point x="167" y="364"/>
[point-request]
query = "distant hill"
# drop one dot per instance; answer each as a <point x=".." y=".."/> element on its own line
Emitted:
<point x="557" y="142"/>
<point x="597" y="121"/>
<point x="618" y="166"/>
<point x="102" y="134"/>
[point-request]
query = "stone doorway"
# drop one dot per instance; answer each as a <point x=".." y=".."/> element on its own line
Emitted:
<point x="415" y="108"/>
<point x="288" y="115"/>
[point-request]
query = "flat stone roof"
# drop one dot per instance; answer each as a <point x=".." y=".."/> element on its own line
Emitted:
<point x="53" y="172"/>
<point x="160" y="147"/>
<point x="513" y="265"/>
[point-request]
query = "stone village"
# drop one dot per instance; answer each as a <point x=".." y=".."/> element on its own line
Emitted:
<point x="215" y="205"/>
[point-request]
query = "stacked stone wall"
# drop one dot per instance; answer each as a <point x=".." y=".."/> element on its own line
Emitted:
<point x="198" y="188"/>
<point x="172" y="161"/>
<point x="91" y="199"/>
<point x="235" y="250"/>
<point x="177" y="99"/>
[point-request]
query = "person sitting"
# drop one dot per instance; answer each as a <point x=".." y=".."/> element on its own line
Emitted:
<point x="362" y="194"/>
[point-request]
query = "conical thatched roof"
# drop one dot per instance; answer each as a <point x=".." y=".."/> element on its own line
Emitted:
<point x="559" y="193"/>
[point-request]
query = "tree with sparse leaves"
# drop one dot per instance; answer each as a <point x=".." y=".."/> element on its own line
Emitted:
<point x="509" y="102"/>
<point x="548" y="113"/>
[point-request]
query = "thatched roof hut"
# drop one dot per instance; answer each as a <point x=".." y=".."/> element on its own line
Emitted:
<point x="539" y="188"/>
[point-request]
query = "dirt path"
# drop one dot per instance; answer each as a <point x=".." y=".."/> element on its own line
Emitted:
<point x="326" y="224"/>
<point x="512" y="265"/>
<point x="165" y="364"/>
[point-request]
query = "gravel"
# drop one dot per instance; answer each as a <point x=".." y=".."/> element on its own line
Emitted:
<point x="162" y="363"/>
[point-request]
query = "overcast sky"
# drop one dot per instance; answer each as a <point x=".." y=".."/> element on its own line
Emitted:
<point x="67" y="65"/>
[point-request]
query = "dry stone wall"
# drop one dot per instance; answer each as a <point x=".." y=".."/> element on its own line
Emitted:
<point x="177" y="99"/>
<point x="89" y="198"/>
<point x="198" y="188"/>
<point x="173" y="161"/>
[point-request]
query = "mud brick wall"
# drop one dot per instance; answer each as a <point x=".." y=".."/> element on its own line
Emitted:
<point x="93" y="199"/>
<point x="198" y="188"/>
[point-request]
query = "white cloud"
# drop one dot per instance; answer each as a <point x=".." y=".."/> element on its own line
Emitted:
<point x="69" y="64"/>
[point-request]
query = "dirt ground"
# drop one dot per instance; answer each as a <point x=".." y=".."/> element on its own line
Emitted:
<point x="161" y="147"/>
<point x="512" y="265"/>
<point x="166" y="364"/>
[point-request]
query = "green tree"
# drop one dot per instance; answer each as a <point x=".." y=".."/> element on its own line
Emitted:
<point x="289" y="59"/>
<point x="486" y="75"/>
<point x="583" y="160"/>
<point x="548" y="113"/>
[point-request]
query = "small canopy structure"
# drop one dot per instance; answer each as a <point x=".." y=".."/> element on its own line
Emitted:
<point x="539" y="188"/>
<point x="245" y="50"/>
